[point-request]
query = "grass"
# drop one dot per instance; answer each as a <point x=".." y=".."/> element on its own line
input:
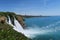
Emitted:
<point x="8" y="33"/>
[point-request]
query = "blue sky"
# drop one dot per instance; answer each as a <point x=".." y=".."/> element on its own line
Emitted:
<point x="31" y="7"/>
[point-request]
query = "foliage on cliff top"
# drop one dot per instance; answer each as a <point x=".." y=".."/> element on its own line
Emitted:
<point x="10" y="15"/>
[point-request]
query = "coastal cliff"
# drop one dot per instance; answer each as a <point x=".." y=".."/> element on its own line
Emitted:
<point x="5" y="16"/>
<point x="21" y="20"/>
<point x="6" y="31"/>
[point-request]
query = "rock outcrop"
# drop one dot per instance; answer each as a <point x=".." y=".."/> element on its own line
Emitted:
<point x="21" y="21"/>
<point x="2" y="19"/>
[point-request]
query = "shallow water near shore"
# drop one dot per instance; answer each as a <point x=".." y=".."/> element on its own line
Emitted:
<point x="44" y="28"/>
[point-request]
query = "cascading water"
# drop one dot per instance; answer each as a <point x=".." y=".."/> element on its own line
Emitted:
<point x="51" y="31"/>
<point x="32" y="32"/>
<point x="9" y="22"/>
<point x="18" y="28"/>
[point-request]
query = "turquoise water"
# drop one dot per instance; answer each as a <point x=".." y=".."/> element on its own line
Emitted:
<point x="47" y="28"/>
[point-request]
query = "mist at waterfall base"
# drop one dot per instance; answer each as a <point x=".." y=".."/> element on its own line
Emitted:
<point x="40" y="28"/>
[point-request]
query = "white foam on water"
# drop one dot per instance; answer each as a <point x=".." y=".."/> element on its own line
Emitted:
<point x="33" y="31"/>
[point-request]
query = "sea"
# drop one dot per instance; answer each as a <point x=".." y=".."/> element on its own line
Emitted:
<point x="43" y="28"/>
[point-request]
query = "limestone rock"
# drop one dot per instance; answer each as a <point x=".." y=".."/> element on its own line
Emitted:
<point x="2" y="19"/>
<point x="21" y="21"/>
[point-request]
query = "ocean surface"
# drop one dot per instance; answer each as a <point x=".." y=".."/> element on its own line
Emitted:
<point x="44" y="28"/>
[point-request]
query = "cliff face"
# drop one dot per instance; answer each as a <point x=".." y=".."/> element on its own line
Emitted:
<point x="12" y="15"/>
<point x="19" y="18"/>
<point x="21" y="21"/>
<point x="2" y="19"/>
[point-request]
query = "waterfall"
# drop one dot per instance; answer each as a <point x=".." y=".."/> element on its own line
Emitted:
<point x="31" y="32"/>
<point x="27" y="32"/>
<point x="9" y="22"/>
<point x="17" y="27"/>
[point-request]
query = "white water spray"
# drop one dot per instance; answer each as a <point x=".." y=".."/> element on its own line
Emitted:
<point x="19" y="28"/>
<point x="32" y="32"/>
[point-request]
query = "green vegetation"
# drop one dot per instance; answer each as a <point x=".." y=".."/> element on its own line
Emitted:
<point x="8" y="33"/>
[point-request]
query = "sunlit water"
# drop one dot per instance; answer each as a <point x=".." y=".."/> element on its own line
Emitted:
<point x="40" y="28"/>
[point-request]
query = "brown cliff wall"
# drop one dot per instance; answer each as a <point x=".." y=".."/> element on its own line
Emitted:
<point x="2" y="19"/>
<point x="21" y="21"/>
<point x="19" y="18"/>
